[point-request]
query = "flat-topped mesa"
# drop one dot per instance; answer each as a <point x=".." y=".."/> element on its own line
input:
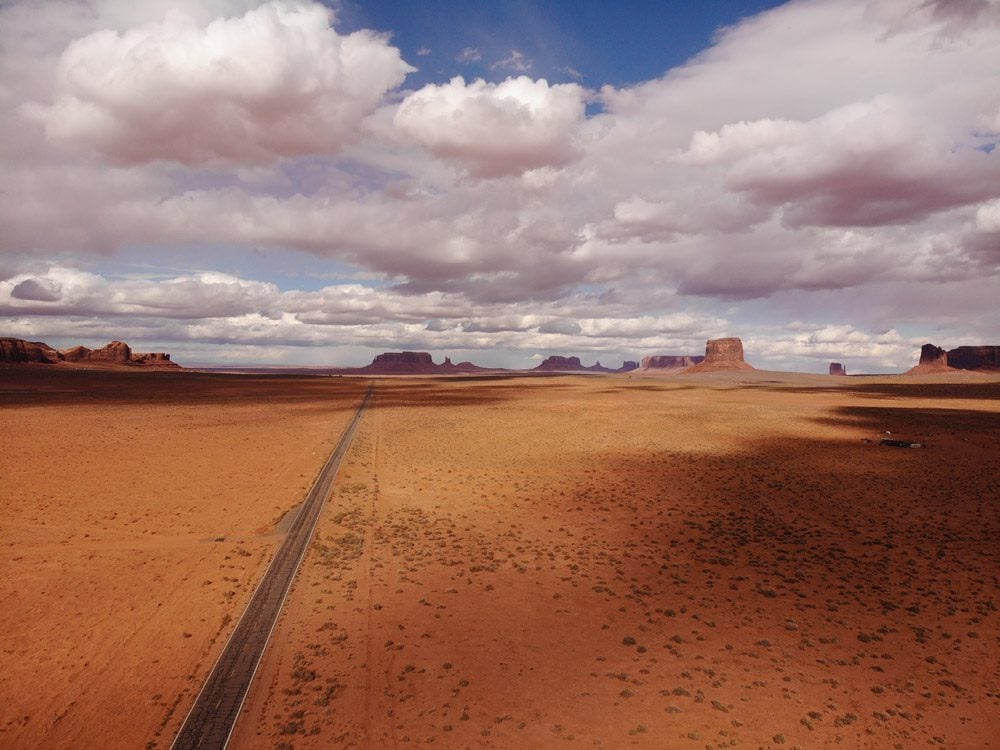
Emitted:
<point x="556" y="363"/>
<point x="933" y="359"/>
<point x="411" y="363"/>
<point x="393" y="359"/>
<point x="670" y="361"/>
<point x="837" y="369"/>
<point x="721" y="355"/>
<point x="974" y="357"/>
<point x="401" y="362"/>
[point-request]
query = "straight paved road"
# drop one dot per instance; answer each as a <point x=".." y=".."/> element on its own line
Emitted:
<point x="212" y="718"/>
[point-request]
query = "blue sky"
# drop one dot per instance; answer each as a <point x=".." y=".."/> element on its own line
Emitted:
<point x="594" y="43"/>
<point x="264" y="182"/>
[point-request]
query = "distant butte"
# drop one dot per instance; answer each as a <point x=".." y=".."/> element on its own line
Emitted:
<point x="670" y="361"/>
<point x="556" y="363"/>
<point x="115" y="354"/>
<point x="412" y="363"/>
<point x="721" y="355"/>
<point x="934" y="359"/>
<point x="837" y="369"/>
<point x="975" y="358"/>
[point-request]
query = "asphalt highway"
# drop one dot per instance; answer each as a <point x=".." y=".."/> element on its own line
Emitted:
<point x="210" y="723"/>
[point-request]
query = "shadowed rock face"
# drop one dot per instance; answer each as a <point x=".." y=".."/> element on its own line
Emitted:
<point x="18" y="350"/>
<point x="722" y="355"/>
<point x="973" y="357"/>
<point x="837" y="369"/>
<point x="933" y="355"/>
<point x="401" y="362"/>
<point x="933" y="359"/>
<point x="670" y="361"/>
<point x="411" y="363"/>
<point x="555" y="362"/>
<point x="152" y="358"/>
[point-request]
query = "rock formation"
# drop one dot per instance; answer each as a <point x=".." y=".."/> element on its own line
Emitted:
<point x="933" y="355"/>
<point x="974" y="357"/>
<point x="116" y="353"/>
<point x="933" y="359"/>
<point x="721" y="355"/>
<point x="837" y="369"/>
<point x="411" y="363"/>
<point x="159" y="359"/>
<point x="557" y="363"/>
<point x="670" y="361"/>
<point x="402" y="362"/>
<point x="20" y="351"/>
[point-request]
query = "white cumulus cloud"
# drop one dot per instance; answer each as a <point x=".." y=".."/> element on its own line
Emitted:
<point x="495" y="129"/>
<point x="276" y="81"/>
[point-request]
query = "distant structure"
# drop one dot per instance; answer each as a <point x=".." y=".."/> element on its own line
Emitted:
<point x="557" y="363"/>
<point x="670" y="361"/>
<point x="934" y="359"/>
<point x="721" y="355"/>
<point x="411" y="363"/>
<point x="18" y="351"/>
<point x="837" y="369"/>
<point x="975" y="358"/>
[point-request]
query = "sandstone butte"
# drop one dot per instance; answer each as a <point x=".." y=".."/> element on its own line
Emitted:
<point x="721" y="355"/>
<point x="117" y="353"/>
<point x="412" y="363"/>
<point x="934" y="360"/>
<point x="670" y="361"/>
<point x="836" y="368"/>
<point x="556" y="363"/>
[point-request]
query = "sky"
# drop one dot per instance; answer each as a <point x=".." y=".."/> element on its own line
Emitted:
<point x="297" y="183"/>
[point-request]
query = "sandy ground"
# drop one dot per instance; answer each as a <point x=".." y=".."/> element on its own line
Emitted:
<point x="138" y="510"/>
<point x="595" y="562"/>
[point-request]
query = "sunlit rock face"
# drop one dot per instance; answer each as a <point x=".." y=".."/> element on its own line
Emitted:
<point x="722" y="355"/>
<point x="116" y="353"/>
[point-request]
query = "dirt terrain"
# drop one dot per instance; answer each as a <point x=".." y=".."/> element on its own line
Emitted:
<point x="727" y="560"/>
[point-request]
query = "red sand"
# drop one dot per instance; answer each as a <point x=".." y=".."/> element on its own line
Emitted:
<point x="713" y="561"/>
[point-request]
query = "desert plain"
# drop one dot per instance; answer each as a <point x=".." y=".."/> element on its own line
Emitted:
<point x="701" y="561"/>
